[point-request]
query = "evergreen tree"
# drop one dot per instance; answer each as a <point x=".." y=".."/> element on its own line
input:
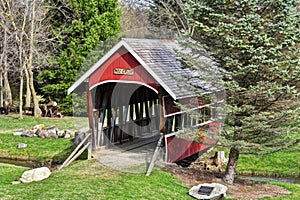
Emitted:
<point x="81" y="25"/>
<point x="257" y="43"/>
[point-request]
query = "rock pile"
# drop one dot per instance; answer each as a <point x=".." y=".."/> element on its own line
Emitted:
<point x="42" y="132"/>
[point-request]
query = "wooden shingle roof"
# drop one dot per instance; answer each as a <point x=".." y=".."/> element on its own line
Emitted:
<point x="159" y="58"/>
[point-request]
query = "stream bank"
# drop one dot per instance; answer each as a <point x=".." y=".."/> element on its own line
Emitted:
<point x="290" y="180"/>
<point x="30" y="163"/>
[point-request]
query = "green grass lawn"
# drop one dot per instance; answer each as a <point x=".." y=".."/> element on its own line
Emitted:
<point x="81" y="180"/>
<point x="90" y="180"/>
<point x="38" y="149"/>
<point x="10" y="123"/>
<point x="284" y="163"/>
<point x="294" y="188"/>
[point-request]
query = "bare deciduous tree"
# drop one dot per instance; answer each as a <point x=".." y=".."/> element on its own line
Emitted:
<point x="26" y="21"/>
<point x="134" y="14"/>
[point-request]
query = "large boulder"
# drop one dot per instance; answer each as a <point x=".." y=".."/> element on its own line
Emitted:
<point x="208" y="191"/>
<point x="37" y="174"/>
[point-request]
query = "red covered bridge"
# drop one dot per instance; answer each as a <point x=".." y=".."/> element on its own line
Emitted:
<point x="133" y="91"/>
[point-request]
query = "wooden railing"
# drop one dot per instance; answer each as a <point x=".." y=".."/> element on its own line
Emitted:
<point x="125" y="122"/>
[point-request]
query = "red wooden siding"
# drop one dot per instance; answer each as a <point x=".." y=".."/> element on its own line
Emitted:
<point x="170" y="106"/>
<point x="123" y="60"/>
<point x="178" y="148"/>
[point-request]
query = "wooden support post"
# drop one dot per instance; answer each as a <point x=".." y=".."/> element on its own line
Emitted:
<point x="78" y="154"/>
<point x="138" y="119"/>
<point x="89" y="106"/>
<point x="148" y="119"/>
<point x="121" y="124"/>
<point x="95" y="129"/>
<point x="161" y="110"/>
<point x="113" y="124"/>
<point x="100" y="127"/>
<point x="125" y="122"/>
<point x="155" y="155"/>
<point x="103" y="114"/>
<point x="90" y="117"/>
<point x="109" y="124"/>
<point x="141" y="119"/>
<point x="69" y="159"/>
<point x="157" y="115"/>
<point x="131" y="121"/>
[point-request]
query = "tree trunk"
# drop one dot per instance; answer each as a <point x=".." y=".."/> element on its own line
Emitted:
<point x="21" y="94"/>
<point x="7" y="87"/>
<point x="21" y="78"/>
<point x="231" y="165"/>
<point x="1" y="89"/>
<point x="3" y="57"/>
<point x="7" y="90"/>
<point x="28" y="92"/>
<point x="19" y="38"/>
<point x="37" y="110"/>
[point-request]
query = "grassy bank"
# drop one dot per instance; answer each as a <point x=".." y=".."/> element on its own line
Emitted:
<point x="294" y="188"/>
<point x="285" y="163"/>
<point x="10" y="123"/>
<point x="38" y="149"/>
<point x="90" y="180"/>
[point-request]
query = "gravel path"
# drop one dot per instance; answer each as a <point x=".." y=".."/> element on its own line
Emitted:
<point x="133" y="157"/>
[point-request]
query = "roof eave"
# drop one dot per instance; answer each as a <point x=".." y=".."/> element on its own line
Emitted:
<point x="149" y="70"/>
<point x="86" y="75"/>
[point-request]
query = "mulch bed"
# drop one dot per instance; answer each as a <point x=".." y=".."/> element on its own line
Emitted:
<point x="241" y="189"/>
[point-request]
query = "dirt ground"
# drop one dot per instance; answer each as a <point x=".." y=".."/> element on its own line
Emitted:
<point x="241" y="189"/>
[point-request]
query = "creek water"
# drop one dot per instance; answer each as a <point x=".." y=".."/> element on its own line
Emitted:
<point x="20" y="163"/>
<point x="270" y="179"/>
